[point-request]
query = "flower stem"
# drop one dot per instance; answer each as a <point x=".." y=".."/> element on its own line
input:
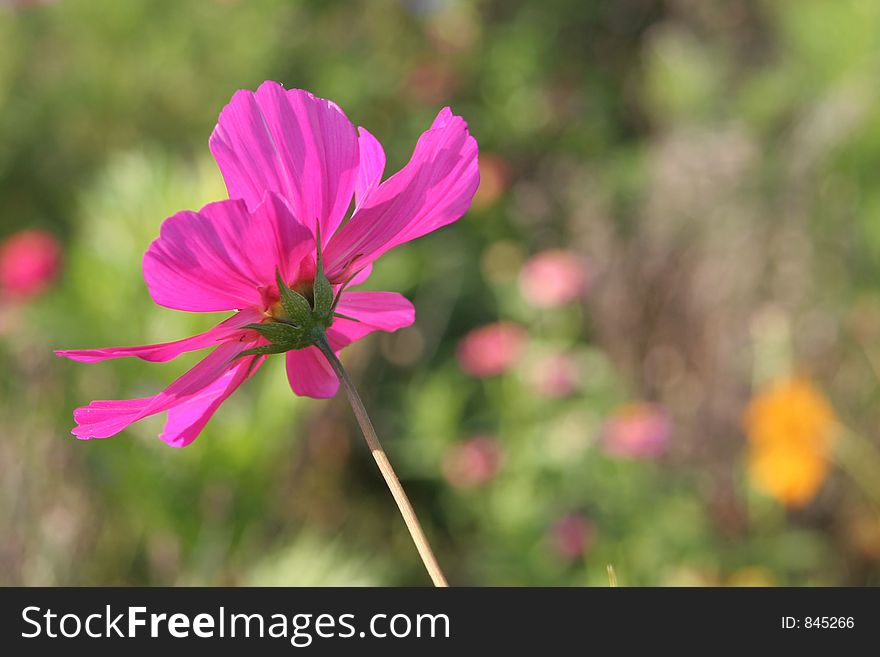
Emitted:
<point x="406" y="510"/>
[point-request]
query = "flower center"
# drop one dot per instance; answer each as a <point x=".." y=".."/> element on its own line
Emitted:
<point x="299" y="318"/>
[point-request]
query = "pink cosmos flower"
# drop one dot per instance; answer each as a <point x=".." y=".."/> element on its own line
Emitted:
<point x="637" y="430"/>
<point x="292" y="163"/>
<point x="491" y="349"/>
<point x="29" y="262"/>
<point x="553" y="278"/>
<point x="473" y="463"/>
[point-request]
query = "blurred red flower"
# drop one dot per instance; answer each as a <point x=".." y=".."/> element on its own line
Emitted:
<point x="494" y="178"/>
<point x="553" y="278"/>
<point x="491" y="349"/>
<point x="637" y="430"/>
<point x="572" y="536"/>
<point x="29" y="263"/>
<point x="473" y="463"/>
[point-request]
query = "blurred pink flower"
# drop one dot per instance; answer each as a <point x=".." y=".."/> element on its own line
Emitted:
<point x="553" y="278"/>
<point x="572" y="536"/>
<point x="292" y="163"/>
<point x="491" y="349"/>
<point x="472" y="463"/>
<point x="29" y="263"/>
<point x="494" y="177"/>
<point x="431" y="82"/>
<point x="554" y="376"/>
<point x="637" y="430"/>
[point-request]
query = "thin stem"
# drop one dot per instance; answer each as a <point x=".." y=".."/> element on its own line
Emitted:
<point x="406" y="510"/>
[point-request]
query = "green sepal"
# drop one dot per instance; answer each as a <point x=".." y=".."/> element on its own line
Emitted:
<point x="262" y="351"/>
<point x="323" y="290"/>
<point x="323" y="296"/>
<point x="295" y="305"/>
<point x="340" y="291"/>
<point x="276" y="332"/>
<point x="351" y="319"/>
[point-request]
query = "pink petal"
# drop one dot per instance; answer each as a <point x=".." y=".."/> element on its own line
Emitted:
<point x="372" y="166"/>
<point x="159" y="353"/>
<point x="293" y="143"/>
<point x="344" y="332"/>
<point x="435" y="188"/>
<point x="310" y="375"/>
<point x="387" y="311"/>
<point x="382" y="311"/>
<point x="443" y="117"/>
<point x="223" y="256"/>
<point x="187" y="420"/>
<point x="102" y="419"/>
<point x="361" y="276"/>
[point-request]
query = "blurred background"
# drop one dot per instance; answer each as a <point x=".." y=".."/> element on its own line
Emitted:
<point x="653" y="342"/>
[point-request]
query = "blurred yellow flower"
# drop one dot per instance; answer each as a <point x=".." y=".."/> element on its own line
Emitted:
<point x="790" y="427"/>
<point x="790" y="474"/>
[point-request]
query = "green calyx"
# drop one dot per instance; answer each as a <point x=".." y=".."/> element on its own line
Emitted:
<point x="295" y="322"/>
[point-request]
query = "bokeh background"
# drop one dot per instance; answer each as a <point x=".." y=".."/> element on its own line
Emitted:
<point x="652" y="343"/>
